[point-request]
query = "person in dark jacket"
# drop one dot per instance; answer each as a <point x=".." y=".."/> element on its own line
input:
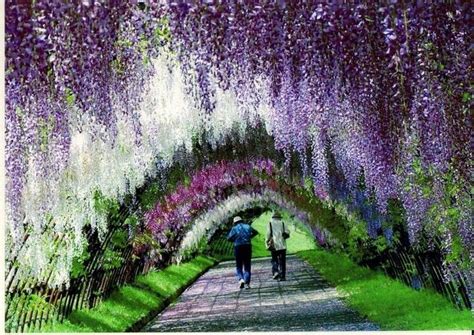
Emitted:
<point x="241" y="234"/>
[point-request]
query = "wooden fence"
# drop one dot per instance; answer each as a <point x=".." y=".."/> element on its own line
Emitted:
<point x="31" y="304"/>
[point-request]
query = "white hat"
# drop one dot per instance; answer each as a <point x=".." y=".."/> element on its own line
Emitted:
<point x="237" y="219"/>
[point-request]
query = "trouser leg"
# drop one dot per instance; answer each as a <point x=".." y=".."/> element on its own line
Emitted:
<point x="278" y="257"/>
<point x="274" y="262"/>
<point x="282" y="263"/>
<point x="238" y="262"/>
<point x="247" y="262"/>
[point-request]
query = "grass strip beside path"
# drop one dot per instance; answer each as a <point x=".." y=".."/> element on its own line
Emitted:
<point x="385" y="301"/>
<point x="132" y="306"/>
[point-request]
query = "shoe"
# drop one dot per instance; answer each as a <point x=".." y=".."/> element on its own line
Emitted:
<point x="241" y="283"/>
<point x="281" y="279"/>
<point x="247" y="286"/>
<point x="276" y="275"/>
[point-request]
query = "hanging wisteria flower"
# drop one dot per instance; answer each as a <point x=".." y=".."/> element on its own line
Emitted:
<point x="98" y="92"/>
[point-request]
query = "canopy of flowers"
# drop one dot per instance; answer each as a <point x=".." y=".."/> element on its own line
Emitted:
<point x="206" y="189"/>
<point x="205" y="225"/>
<point x="98" y="92"/>
<point x="193" y="212"/>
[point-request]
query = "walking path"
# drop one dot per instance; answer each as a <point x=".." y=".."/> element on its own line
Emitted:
<point x="305" y="302"/>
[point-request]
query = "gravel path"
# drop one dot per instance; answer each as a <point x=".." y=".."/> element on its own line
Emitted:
<point x="305" y="302"/>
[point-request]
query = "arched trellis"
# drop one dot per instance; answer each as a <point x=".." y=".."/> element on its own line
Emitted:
<point x="31" y="301"/>
<point x="388" y="99"/>
<point x="97" y="280"/>
<point x="206" y="225"/>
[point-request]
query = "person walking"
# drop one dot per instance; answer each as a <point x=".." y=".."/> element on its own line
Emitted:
<point x="275" y="241"/>
<point x="241" y="234"/>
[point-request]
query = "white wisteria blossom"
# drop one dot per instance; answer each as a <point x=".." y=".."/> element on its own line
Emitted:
<point x="57" y="208"/>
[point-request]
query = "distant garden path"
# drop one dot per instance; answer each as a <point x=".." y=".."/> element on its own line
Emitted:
<point x="305" y="302"/>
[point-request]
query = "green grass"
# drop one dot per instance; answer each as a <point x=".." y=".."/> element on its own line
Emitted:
<point x="385" y="301"/>
<point x="131" y="303"/>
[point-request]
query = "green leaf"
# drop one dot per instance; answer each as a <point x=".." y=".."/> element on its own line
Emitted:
<point x="78" y="263"/>
<point x="466" y="97"/>
<point x="105" y="206"/>
<point x="70" y="97"/>
<point x="111" y="260"/>
<point x="131" y="221"/>
<point x="119" y="238"/>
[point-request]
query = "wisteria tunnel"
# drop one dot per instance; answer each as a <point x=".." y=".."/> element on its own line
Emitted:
<point x="136" y="131"/>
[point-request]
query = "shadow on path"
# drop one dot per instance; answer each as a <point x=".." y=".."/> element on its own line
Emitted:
<point x="305" y="302"/>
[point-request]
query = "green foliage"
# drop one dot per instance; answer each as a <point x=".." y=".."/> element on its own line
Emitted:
<point x="39" y="303"/>
<point x="358" y="241"/>
<point x="28" y="304"/>
<point x="220" y="248"/>
<point x="162" y="32"/>
<point x="396" y="219"/>
<point x="118" y="66"/>
<point x="308" y="184"/>
<point x="380" y="244"/>
<point x="176" y="176"/>
<point x="78" y="263"/>
<point x="70" y="97"/>
<point x="386" y="301"/>
<point x="456" y="250"/>
<point x="446" y="213"/>
<point x="45" y="128"/>
<point x="466" y="97"/>
<point x="131" y="221"/>
<point x="149" y="197"/>
<point x="143" y="47"/>
<point x="112" y="259"/>
<point x="152" y="194"/>
<point x="105" y="206"/>
<point x="131" y="303"/>
<point x="119" y="238"/>
<point x="202" y="248"/>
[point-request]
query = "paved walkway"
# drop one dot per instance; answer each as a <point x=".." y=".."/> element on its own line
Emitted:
<point x="305" y="302"/>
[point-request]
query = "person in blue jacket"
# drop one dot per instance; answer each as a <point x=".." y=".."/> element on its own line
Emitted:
<point x="241" y="234"/>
